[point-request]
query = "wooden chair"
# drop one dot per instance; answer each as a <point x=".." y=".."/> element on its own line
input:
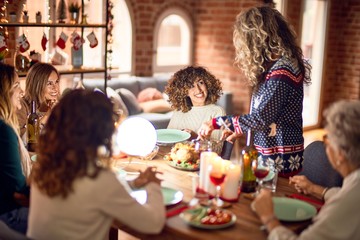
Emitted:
<point x="317" y="168"/>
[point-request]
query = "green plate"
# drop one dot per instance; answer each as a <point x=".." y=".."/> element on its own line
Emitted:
<point x="292" y="210"/>
<point x="171" y="196"/>
<point x="33" y="158"/>
<point x="187" y="216"/>
<point x="170" y="136"/>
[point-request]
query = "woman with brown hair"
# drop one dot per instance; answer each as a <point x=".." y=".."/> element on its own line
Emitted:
<point x="268" y="54"/>
<point x="193" y="92"/>
<point x="43" y="87"/>
<point x="74" y="194"/>
<point x="14" y="158"/>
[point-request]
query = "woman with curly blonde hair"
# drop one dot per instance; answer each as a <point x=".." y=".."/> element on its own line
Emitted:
<point x="74" y="194"/>
<point x="268" y="55"/>
<point x="193" y="92"/>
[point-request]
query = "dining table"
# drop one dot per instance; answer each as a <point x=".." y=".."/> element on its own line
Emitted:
<point x="246" y="226"/>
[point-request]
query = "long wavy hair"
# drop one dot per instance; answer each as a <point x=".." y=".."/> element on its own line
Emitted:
<point x="178" y="87"/>
<point x="80" y="124"/>
<point x="7" y="109"/>
<point x="261" y="35"/>
<point x="36" y="82"/>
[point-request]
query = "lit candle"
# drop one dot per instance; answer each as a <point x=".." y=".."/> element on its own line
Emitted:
<point x="230" y="187"/>
<point x="205" y="160"/>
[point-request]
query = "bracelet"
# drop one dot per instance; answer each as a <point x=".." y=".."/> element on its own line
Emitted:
<point x="323" y="193"/>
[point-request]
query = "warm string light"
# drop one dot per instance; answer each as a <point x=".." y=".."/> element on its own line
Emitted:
<point x="110" y="26"/>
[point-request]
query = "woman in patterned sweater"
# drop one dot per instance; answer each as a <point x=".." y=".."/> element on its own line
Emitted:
<point x="268" y="55"/>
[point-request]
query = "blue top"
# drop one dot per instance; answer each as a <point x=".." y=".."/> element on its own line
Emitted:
<point x="12" y="178"/>
<point x="279" y="100"/>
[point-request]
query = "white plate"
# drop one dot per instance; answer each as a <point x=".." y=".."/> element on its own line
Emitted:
<point x="169" y="136"/>
<point x="292" y="210"/>
<point x="186" y="215"/>
<point x="171" y="196"/>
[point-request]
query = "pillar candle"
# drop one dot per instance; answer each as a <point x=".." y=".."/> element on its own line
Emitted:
<point x="205" y="159"/>
<point x="230" y="187"/>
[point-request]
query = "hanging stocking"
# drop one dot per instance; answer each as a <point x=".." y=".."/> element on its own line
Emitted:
<point x="76" y="40"/>
<point x="62" y="40"/>
<point x="44" y="41"/>
<point x="24" y="44"/>
<point x="3" y="45"/>
<point x="92" y="39"/>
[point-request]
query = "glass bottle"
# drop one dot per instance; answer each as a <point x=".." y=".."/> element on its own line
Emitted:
<point x="248" y="155"/>
<point x="33" y="128"/>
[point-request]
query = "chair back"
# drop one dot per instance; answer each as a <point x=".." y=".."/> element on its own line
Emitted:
<point x="7" y="233"/>
<point x="317" y="168"/>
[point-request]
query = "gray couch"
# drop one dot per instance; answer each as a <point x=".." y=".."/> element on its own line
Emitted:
<point x="136" y="84"/>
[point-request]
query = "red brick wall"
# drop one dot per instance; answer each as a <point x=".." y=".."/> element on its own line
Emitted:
<point x="213" y="48"/>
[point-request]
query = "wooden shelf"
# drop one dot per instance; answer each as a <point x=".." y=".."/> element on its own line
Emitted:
<point x="58" y="25"/>
<point x="73" y="71"/>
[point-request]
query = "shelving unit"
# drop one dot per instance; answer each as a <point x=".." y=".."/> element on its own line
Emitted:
<point x="82" y="70"/>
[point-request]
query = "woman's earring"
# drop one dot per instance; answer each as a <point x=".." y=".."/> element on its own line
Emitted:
<point x="102" y="151"/>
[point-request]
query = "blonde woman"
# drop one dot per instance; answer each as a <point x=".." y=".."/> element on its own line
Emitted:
<point x="14" y="158"/>
<point x="268" y="54"/>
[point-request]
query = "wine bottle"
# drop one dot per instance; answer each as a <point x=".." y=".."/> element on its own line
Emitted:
<point x="248" y="155"/>
<point x="33" y="128"/>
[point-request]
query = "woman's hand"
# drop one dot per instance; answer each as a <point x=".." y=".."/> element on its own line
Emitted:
<point x="302" y="184"/>
<point x="305" y="186"/>
<point x="145" y="177"/>
<point x="193" y="135"/>
<point x="205" y="130"/>
<point x="263" y="206"/>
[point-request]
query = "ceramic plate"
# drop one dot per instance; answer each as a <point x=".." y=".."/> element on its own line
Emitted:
<point x="33" y="158"/>
<point x="190" y="168"/>
<point x="170" y="136"/>
<point x="292" y="210"/>
<point x="187" y="216"/>
<point x="171" y="196"/>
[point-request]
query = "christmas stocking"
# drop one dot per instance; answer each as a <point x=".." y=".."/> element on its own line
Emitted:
<point x="3" y="45"/>
<point x="77" y="40"/>
<point x="92" y="39"/>
<point x="62" y="40"/>
<point x="24" y="44"/>
<point x="44" y="41"/>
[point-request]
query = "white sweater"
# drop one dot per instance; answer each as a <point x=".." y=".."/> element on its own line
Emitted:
<point x="89" y="211"/>
<point x="195" y="117"/>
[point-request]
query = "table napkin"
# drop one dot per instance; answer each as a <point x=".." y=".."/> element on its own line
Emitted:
<point x="176" y="210"/>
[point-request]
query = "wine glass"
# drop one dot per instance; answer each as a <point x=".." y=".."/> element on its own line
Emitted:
<point x="260" y="168"/>
<point x="217" y="173"/>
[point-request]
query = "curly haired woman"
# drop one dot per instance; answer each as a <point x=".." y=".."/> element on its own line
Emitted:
<point x="193" y="92"/>
<point x="43" y="87"/>
<point x="267" y="53"/>
<point x="74" y="194"/>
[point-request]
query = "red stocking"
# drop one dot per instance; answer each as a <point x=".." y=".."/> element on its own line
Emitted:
<point x="44" y="41"/>
<point x="62" y="40"/>
<point x="24" y="44"/>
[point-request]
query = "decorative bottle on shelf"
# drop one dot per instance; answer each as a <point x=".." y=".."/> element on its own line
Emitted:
<point x="33" y="128"/>
<point x="248" y="155"/>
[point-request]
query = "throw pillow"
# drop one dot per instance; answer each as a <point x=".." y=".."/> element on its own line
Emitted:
<point x="156" y="106"/>
<point x="149" y="94"/>
<point x="130" y="101"/>
<point x="117" y="101"/>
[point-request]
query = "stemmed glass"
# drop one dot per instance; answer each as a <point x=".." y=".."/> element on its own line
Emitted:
<point x="260" y="168"/>
<point x="217" y="173"/>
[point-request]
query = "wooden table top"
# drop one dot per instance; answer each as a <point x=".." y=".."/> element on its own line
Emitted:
<point x="247" y="225"/>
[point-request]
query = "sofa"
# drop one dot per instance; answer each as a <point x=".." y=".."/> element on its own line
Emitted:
<point x="135" y="85"/>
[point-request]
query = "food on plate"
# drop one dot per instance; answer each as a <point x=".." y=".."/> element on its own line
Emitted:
<point x="184" y="155"/>
<point x="209" y="216"/>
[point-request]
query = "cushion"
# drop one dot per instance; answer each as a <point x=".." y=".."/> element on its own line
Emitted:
<point x="155" y="106"/>
<point x="117" y="101"/>
<point x="149" y="94"/>
<point x="130" y="101"/>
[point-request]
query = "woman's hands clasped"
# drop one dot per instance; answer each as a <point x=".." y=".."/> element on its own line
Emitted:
<point x="147" y="176"/>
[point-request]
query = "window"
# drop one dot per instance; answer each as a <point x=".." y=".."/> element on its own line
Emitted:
<point x="313" y="45"/>
<point x="172" y="41"/>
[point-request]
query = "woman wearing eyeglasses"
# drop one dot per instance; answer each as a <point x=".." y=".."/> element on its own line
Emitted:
<point x="339" y="216"/>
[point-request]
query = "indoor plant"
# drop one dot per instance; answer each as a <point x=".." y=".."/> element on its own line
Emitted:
<point x="74" y="9"/>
